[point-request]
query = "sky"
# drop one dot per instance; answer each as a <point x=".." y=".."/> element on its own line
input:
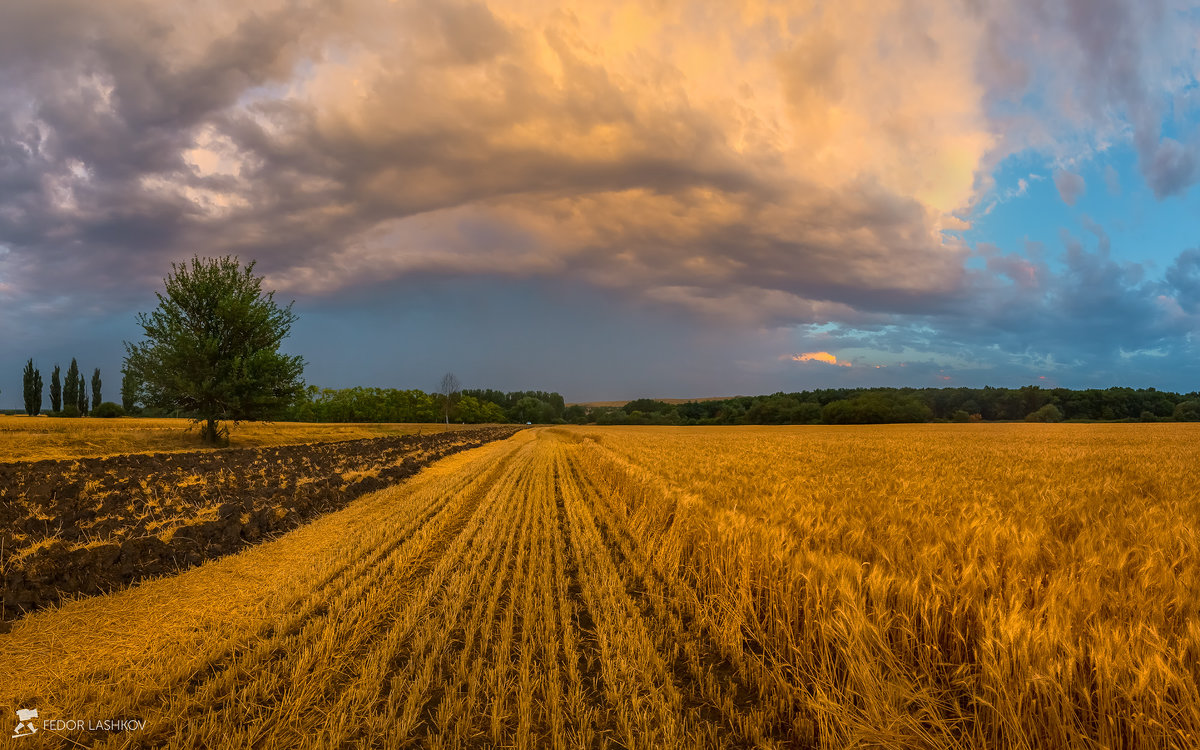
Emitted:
<point x="617" y="200"/>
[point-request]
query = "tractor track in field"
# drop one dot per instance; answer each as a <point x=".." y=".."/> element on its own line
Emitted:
<point x="703" y="666"/>
<point x="647" y="591"/>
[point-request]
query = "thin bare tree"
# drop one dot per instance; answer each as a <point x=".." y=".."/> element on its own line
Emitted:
<point x="449" y="389"/>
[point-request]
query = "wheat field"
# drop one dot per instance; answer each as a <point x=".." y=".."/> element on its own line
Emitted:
<point x="917" y="586"/>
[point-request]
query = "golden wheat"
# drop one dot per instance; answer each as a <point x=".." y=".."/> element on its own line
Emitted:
<point x="968" y="586"/>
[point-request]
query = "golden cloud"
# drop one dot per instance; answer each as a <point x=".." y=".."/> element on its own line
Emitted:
<point x="686" y="151"/>
<point x="777" y="161"/>
<point x="825" y="357"/>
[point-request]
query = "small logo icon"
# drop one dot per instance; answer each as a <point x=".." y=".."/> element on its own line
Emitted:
<point x="25" y="725"/>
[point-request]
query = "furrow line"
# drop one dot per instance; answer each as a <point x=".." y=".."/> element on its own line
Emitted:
<point x="499" y="685"/>
<point x="645" y="704"/>
<point x="409" y="688"/>
<point x="728" y="672"/>
<point x="353" y="680"/>
<point x="569" y="610"/>
<point x="402" y="667"/>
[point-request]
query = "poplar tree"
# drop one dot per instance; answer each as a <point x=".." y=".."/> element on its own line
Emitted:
<point x="95" y="388"/>
<point x="33" y="390"/>
<point x="56" y="390"/>
<point x="81" y="389"/>
<point x="70" y="392"/>
<point x="129" y="390"/>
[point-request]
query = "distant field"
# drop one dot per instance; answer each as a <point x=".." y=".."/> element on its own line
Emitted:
<point x="36" y="438"/>
<point x="906" y="586"/>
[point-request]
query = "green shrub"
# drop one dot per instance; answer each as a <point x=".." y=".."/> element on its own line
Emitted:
<point x="108" y="409"/>
<point x="1188" y="411"/>
<point x="1048" y="413"/>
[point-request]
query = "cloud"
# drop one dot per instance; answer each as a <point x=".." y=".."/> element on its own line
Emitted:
<point x="751" y="161"/>
<point x="1170" y="167"/>
<point x="731" y="152"/>
<point x="825" y="357"/>
<point x="1084" y="316"/>
<point x="1070" y="186"/>
<point x="1183" y="277"/>
<point x="1071" y="78"/>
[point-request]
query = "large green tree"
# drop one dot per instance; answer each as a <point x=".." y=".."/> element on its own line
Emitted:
<point x="1187" y="411"/>
<point x="56" y="389"/>
<point x="532" y="410"/>
<point x="473" y="411"/>
<point x="70" y="392"/>
<point x="211" y="348"/>
<point x="33" y="389"/>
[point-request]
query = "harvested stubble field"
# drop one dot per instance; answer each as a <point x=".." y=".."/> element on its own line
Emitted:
<point x="45" y="438"/>
<point x="925" y="586"/>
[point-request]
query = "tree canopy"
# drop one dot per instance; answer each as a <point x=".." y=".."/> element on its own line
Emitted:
<point x="211" y="348"/>
<point x="882" y="405"/>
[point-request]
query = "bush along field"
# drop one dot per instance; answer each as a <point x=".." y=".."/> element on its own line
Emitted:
<point x="937" y="586"/>
<point x="91" y="525"/>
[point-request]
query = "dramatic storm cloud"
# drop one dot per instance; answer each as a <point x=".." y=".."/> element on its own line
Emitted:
<point x="879" y="182"/>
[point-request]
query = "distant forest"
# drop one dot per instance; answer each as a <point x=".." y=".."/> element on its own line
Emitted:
<point x="392" y="405"/>
<point x="826" y="406"/>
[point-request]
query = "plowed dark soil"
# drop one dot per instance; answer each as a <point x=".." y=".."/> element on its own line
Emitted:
<point x="93" y="525"/>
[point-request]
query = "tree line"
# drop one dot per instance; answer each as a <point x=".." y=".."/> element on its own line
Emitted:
<point x="890" y="405"/>
<point x="825" y="406"/>
<point x="450" y="403"/>
<point x="69" y="395"/>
